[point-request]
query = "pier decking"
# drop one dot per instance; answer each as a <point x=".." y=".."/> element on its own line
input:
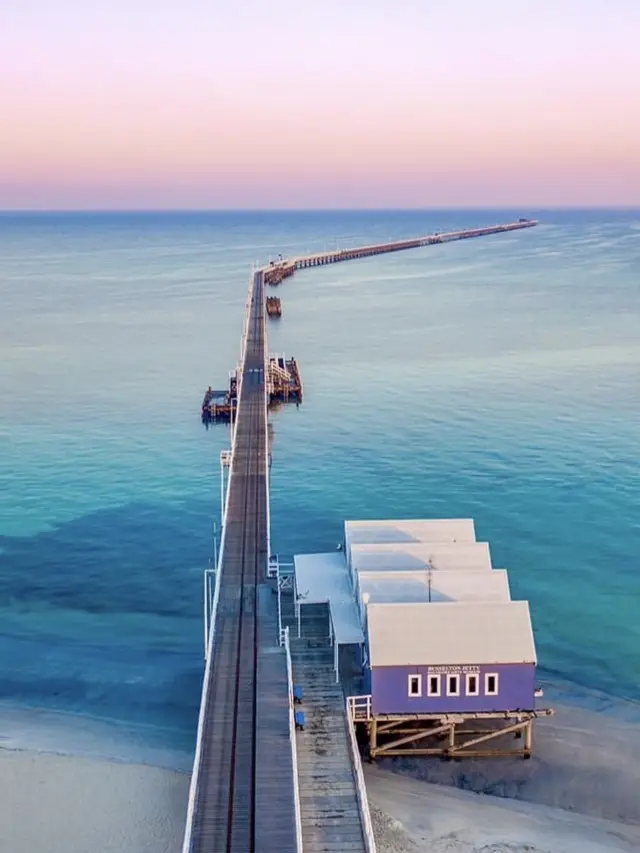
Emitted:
<point x="233" y="731"/>
<point x="244" y="789"/>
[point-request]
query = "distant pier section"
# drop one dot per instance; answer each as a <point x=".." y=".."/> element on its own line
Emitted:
<point x="283" y="385"/>
<point x="280" y="269"/>
<point x="284" y="382"/>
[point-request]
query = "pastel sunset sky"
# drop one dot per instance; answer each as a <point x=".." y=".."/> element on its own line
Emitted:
<point x="319" y="103"/>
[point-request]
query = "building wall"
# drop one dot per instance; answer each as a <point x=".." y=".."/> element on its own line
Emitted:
<point x="390" y="689"/>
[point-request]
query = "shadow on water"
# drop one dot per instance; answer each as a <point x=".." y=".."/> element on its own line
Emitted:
<point x="102" y="615"/>
<point x="137" y="558"/>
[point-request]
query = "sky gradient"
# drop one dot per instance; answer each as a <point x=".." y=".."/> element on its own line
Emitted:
<point x="323" y="103"/>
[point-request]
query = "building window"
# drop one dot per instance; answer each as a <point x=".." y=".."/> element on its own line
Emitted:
<point x="453" y="685"/>
<point x="473" y="684"/>
<point x="434" y="685"/>
<point x="491" y="684"/>
<point x="415" y="685"/>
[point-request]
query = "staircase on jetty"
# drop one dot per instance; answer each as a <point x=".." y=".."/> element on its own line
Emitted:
<point x="330" y="812"/>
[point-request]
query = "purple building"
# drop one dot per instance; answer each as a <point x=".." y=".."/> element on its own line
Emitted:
<point x="450" y="657"/>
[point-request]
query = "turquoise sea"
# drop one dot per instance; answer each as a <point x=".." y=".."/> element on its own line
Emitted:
<point x="496" y="378"/>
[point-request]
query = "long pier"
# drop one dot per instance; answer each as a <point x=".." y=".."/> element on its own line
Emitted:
<point x="279" y="270"/>
<point x="244" y="787"/>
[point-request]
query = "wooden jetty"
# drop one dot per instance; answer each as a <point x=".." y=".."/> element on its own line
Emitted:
<point x="284" y="381"/>
<point x="277" y="271"/>
<point x="248" y="790"/>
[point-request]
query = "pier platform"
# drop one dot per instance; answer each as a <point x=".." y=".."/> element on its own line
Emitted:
<point x="283" y="385"/>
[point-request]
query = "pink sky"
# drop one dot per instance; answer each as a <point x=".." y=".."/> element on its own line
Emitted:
<point x="240" y="103"/>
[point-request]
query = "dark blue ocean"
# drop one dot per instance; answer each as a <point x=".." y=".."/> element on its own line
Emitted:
<point x="496" y="378"/>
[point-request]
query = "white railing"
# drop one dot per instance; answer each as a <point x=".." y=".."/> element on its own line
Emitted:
<point x="292" y="740"/>
<point x="278" y="582"/>
<point x="334" y="642"/>
<point x="193" y="787"/>
<point x="273" y="566"/>
<point x="265" y="353"/>
<point x="209" y="584"/>
<point x="363" y="800"/>
<point x="359" y="707"/>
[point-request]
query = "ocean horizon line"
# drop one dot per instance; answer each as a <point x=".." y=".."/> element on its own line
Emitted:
<point x="328" y="210"/>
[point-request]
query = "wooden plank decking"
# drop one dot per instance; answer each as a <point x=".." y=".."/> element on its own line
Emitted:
<point x="331" y="821"/>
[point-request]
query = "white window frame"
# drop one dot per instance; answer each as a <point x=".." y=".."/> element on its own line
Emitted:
<point x="417" y="676"/>
<point x="468" y="677"/>
<point x="487" y="676"/>
<point x="438" y="678"/>
<point x="455" y="675"/>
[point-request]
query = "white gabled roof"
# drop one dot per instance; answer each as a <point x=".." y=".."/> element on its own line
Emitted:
<point x="450" y="633"/>
<point x="402" y="556"/>
<point x="411" y="530"/>
<point x="395" y="587"/>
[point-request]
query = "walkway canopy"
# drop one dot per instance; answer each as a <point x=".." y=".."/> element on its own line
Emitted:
<point x="324" y="579"/>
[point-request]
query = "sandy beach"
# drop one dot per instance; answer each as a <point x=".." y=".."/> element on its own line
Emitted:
<point x="584" y="761"/>
<point x="64" y="804"/>
<point x="578" y="794"/>
<point x="416" y="817"/>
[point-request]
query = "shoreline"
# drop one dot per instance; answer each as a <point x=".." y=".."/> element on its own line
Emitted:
<point x="585" y="761"/>
<point x="78" y="784"/>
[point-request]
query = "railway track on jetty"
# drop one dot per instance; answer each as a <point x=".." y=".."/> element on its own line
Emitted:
<point x="224" y="809"/>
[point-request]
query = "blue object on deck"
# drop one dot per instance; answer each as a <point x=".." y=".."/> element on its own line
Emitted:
<point x="297" y="694"/>
<point x="300" y="719"/>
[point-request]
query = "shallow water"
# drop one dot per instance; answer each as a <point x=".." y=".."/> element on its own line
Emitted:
<point x="494" y="378"/>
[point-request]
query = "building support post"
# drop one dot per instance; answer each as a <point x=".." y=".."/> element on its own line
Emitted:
<point x="373" y="738"/>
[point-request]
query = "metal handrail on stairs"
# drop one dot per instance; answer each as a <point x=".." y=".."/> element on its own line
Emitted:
<point x="284" y="636"/>
<point x="363" y="800"/>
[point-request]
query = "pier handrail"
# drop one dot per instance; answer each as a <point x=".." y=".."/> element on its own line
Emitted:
<point x="266" y="449"/>
<point x="334" y="642"/>
<point x="193" y="785"/>
<point x="363" y="800"/>
<point x="292" y="740"/>
<point x="359" y="707"/>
